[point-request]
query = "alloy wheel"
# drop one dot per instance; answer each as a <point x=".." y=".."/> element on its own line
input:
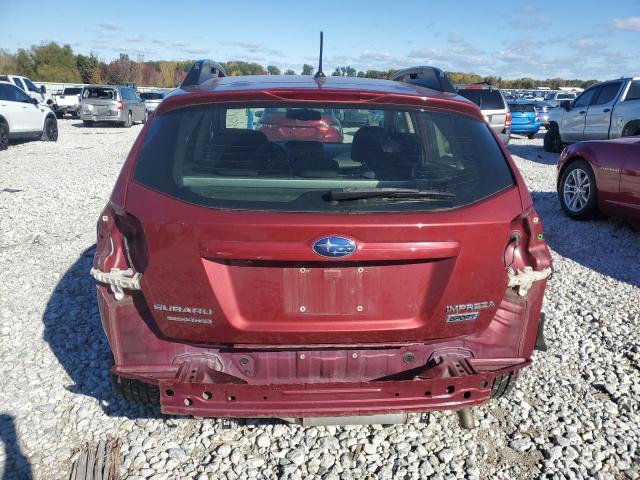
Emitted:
<point x="576" y="190"/>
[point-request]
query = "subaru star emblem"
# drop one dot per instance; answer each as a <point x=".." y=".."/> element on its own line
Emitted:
<point x="334" y="247"/>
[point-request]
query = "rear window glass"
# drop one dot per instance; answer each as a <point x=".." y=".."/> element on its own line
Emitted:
<point x="565" y="96"/>
<point x="521" y="107"/>
<point x="152" y="95"/>
<point x="100" y="93"/>
<point x="72" y="91"/>
<point x="486" y="99"/>
<point x="228" y="158"/>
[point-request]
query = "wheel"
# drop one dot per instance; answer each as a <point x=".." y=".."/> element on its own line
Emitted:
<point x="50" y="132"/>
<point x="135" y="390"/>
<point x="503" y="384"/>
<point x="129" y="121"/>
<point x="59" y="115"/>
<point x="631" y="130"/>
<point x="88" y="123"/>
<point x="577" y="191"/>
<point x="552" y="140"/>
<point x="531" y="136"/>
<point x="4" y="136"/>
<point x="146" y="116"/>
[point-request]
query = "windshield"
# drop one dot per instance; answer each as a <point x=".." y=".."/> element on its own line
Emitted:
<point x="485" y="98"/>
<point x="72" y="91"/>
<point x="227" y="158"/>
<point x="521" y="107"/>
<point x="152" y="95"/>
<point x="100" y="93"/>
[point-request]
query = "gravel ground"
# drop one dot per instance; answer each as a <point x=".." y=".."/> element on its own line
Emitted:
<point x="574" y="414"/>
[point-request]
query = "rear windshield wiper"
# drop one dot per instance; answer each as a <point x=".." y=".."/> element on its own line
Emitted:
<point x="405" y="193"/>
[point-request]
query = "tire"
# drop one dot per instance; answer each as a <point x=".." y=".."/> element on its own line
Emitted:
<point x="88" y="123"/>
<point x="630" y="130"/>
<point x="503" y="385"/>
<point x="135" y="390"/>
<point x="4" y="136"/>
<point x="129" y="121"/>
<point x="577" y="191"/>
<point x="531" y="136"/>
<point x="50" y="132"/>
<point x="59" y="115"/>
<point x="552" y="140"/>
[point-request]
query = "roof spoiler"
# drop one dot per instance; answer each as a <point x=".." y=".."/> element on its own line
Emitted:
<point x="201" y="71"/>
<point x="424" y="76"/>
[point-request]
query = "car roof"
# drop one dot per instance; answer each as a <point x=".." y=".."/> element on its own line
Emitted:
<point x="294" y="88"/>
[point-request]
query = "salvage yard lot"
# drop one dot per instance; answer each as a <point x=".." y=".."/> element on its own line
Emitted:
<point x="577" y="408"/>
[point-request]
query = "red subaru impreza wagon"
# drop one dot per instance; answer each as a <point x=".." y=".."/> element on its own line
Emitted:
<point x="397" y="268"/>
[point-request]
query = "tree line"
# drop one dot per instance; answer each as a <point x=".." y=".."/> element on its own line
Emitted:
<point x="51" y="62"/>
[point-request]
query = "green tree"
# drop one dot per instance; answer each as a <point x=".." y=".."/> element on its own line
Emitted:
<point x="167" y="71"/>
<point x="273" y="70"/>
<point x="289" y="72"/>
<point x="24" y="64"/>
<point x="54" y="63"/>
<point x="307" y="69"/>
<point x="89" y="68"/>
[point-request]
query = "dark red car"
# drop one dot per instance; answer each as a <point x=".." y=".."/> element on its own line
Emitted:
<point x="601" y="176"/>
<point x="282" y="124"/>
<point x="401" y="269"/>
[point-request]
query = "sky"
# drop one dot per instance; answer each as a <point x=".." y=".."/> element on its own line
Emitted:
<point x="542" y="39"/>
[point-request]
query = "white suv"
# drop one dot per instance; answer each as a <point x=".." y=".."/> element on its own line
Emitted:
<point x="24" y="117"/>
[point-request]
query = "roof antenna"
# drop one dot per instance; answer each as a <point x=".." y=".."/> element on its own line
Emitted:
<point x="320" y="73"/>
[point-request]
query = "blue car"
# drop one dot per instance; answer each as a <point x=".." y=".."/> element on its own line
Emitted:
<point x="525" y="119"/>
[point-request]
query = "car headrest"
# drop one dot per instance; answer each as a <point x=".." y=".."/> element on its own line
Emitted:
<point x="371" y="142"/>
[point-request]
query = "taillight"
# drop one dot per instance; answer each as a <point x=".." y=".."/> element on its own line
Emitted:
<point x="120" y="105"/>
<point x="507" y="120"/>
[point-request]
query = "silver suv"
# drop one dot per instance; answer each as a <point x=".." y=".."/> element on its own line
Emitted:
<point x="111" y="103"/>
<point x="493" y="106"/>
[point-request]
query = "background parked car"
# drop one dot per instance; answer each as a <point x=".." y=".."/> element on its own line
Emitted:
<point x="553" y="99"/>
<point x="493" y="106"/>
<point x="24" y="117"/>
<point x="320" y="125"/>
<point x="152" y="99"/>
<point x="524" y="118"/>
<point x="27" y="86"/>
<point x="110" y="103"/>
<point x="605" y="110"/>
<point x="67" y="102"/>
<point x="601" y="176"/>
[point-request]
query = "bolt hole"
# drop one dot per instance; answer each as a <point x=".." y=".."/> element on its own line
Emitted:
<point x="232" y="398"/>
<point x="264" y="398"/>
<point x="467" y="395"/>
<point x="168" y="392"/>
<point x="397" y="394"/>
<point x="484" y="384"/>
<point x="427" y="393"/>
<point x="451" y="389"/>
<point x="187" y="402"/>
<point x="207" y="395"/>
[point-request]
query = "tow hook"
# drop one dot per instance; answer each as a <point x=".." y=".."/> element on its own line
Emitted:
<point x="118" y="280"/>
<point x="524" y="278"/>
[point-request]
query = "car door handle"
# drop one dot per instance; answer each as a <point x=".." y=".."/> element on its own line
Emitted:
<point x="606" y="110"/>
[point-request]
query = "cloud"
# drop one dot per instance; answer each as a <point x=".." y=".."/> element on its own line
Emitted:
<point x="108" y="25"/>
<point x="631" y="24"/>
<point x="254" y="48"/>
<point x="531" y="22"/>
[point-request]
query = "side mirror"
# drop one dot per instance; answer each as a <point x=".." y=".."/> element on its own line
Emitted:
<point x="566" y="104"/>
<point x="35" y="101"/>
<point x="43" y="89"/>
